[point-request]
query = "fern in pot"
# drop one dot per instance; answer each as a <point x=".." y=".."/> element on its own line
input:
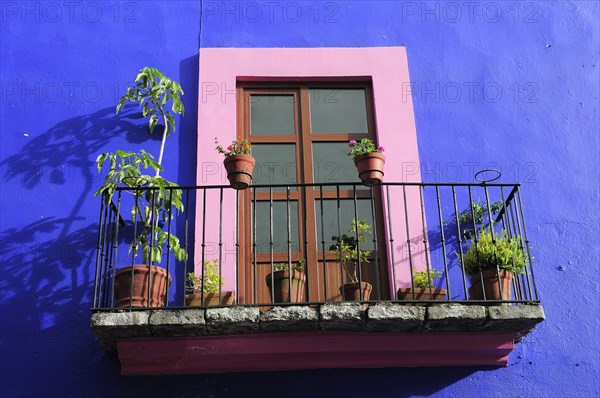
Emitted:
<point x="491" y="261"/>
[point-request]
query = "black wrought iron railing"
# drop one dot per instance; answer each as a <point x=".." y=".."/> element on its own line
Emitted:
<point x="413" y="243"/>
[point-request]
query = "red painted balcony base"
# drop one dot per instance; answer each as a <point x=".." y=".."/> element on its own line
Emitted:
<point x="310" y="350"/>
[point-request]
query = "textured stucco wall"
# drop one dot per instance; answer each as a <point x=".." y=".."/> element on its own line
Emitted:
<point x="504" y="83"/>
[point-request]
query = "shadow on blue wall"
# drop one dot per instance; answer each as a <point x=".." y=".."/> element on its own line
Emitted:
<point x="49" y="264"/>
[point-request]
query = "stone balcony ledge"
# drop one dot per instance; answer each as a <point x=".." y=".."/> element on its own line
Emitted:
<point x="116" y="325"/>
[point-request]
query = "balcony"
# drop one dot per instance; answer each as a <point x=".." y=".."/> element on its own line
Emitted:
<point x="409" y="246"/>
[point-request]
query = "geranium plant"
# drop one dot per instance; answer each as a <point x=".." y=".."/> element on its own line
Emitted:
<point x="238" y="162"/>
<point x="363" y="147"/>
<point x="242" y="147"/>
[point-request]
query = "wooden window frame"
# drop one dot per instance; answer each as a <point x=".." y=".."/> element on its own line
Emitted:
<point x="305" y="198"/>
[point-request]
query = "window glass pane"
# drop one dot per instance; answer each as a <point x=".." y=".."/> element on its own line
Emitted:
<point x="330" y="220"/>
<point x="331" y="164"/>
<point x="275" y="164"/>
<point x="338" y="111"/>
<point x="280" y="226"/>
<point x="272" y="114"/>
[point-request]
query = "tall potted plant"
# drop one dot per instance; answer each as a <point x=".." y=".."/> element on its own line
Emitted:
<point x="204" y="290"/>
<point x="368" y="159"/>
<point x="279" y="283"/>
<point x="145" y="285"/>
<point x="423" y="287"/>
<point x="491" y="261"/>
<point x="348" y="253"/>
<point x="238" y="162"/>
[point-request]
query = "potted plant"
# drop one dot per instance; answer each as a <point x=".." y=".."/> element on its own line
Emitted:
<point x="368" y="159"/>
<point x="279" y="282"/>
<point x="492" y="259"/>
<point x="204" y="290"/>
<point x="348" y="253"/>
<point x="423" y="287"/>
<point x="146" y="285"/>
<point x="238" y="162"/>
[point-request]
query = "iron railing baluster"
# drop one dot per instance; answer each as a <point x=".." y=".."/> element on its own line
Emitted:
<point x="99" y="255"/>
<point x="392" y="249"/>
<point x="168" y="260"/>
<point x="460" y="243"/>
<point x="186" y="243"/>
<point x="271" y="245"/>
<point x="476" y="240"/>
<point x="408" y="243"/>
<point x="323" y="243"/>
<point x="443" y="241"/>
<point x="289" y="245"/>
<point x="428" y="267"/>
<point x="113" y="267"/>
<point x="339" y="241"/>
<point x="491" y="229"/>
<point x="375" y="245"/>
<point x="220" y="247"/>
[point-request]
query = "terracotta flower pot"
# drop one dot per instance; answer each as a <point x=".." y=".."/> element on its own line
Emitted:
<point x="281" y="290"/>
<point x="421" y="293"/>
<point x="490" y="283"/>
<point x="159" y="281"/>
<point x="370" y="168"/>
<point x="210" y="299"/>
<point x="351" y="291"/>
<point x="239" y="170"/>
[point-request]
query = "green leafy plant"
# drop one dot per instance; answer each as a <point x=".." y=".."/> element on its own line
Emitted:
<point x="492" y="250"/>
<point x="153" y="91"/>
<point x="296" y="266"/>
<point x="209" y="283"/>
<point x="363" y="147"/>
<point x="424" y="279"/>
<point x="347" y="250"/>
<point x="236" y="148"/>
<point x="475" y="215"/>
<point x="161" y="200"/>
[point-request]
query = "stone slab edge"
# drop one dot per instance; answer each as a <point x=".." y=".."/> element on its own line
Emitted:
<point x="382" y="317"/>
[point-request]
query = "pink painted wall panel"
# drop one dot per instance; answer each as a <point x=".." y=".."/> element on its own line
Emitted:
<point x="220" y="68"/>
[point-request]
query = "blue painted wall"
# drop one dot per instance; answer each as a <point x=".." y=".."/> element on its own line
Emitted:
<point x="513" y="85"/>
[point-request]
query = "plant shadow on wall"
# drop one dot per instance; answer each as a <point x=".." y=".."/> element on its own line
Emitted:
<point x="48" y="265"/>
<point x="455" y="236"/>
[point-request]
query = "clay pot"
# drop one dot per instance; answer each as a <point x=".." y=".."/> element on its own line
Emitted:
<point x="421" y="293"/>
<point x="239" y="170"/>
<point x="351" y="291"/>
<point x="210" y="299"/>
<point x="370" y="168"/>
<point x="140" y="297"/>
<point x="490" y="283"/>
<point x="281" y="290"/>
